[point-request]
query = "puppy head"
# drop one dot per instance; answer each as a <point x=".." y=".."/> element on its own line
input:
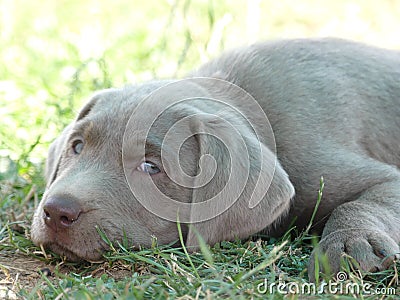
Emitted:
<point x="132" y="165"/>
<point x="86" y="184"/>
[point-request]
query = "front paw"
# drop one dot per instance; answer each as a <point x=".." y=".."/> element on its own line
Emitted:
<point x="373" y="251"/>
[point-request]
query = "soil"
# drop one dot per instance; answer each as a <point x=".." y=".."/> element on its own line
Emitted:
<point x="19" y="271"/>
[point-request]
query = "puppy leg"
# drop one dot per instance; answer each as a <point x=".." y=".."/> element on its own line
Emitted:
<point x="367" y="229"/>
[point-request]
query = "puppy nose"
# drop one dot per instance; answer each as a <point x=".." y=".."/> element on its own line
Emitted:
<point x="61" y="212"/>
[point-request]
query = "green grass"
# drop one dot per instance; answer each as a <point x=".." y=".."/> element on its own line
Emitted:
<point x="234" y="270"/>
<point x="56" y="53"/>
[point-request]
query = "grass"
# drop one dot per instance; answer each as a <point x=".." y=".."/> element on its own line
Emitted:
<point x="57" y="53"/>
<point x="234" y="270"/>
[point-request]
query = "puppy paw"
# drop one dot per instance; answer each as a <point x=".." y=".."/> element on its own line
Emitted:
<point x="372" y="251"/>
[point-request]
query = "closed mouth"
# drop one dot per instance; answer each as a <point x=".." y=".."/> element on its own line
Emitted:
<point x="91" y="255"/>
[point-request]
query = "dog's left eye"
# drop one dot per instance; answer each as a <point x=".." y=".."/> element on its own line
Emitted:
<point x="149" y="168"/>
<point x="77" y="146"/>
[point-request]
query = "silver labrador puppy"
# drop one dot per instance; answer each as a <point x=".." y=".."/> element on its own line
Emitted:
<point x="334" y="108"/>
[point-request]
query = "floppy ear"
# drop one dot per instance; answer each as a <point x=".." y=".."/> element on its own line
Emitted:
<point x="249" y="189"/>
<point x="59" y="144"/>
<point x="54" y="155"/>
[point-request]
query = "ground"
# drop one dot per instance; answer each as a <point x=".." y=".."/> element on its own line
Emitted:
<point x="19" y="271"/>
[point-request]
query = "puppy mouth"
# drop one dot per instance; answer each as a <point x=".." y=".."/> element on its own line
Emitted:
<point x="62" y="251"/>
<point x="74" y="242"/>
<point x="90" y="255"/>
<point x="72" y="245"/>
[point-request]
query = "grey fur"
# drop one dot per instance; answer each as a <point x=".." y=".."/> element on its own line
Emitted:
<point x="334" y="107"/>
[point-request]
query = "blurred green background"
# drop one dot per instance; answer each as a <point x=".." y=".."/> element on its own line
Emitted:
<point x="55" y="53"/>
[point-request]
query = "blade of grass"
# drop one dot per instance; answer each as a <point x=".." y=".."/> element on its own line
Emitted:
<point x="178" y="224"/>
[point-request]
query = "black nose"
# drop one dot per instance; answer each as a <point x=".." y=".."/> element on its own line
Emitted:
<point x="61" y="212"/>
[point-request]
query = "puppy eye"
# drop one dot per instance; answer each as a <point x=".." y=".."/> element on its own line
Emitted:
<point x="149" y="168"/>
<point x="77" y="146"/>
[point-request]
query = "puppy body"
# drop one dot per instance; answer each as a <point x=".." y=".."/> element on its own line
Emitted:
<point x="334" y="108"/>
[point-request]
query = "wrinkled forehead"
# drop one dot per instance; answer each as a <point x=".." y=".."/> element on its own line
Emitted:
<point x="132" y="111"/>
<point x="146" y="113"/>
<point x="102" y="120"/>
<point x="122" y="101"/>
<point x="112" y="108"/>
<point x="159" y="114"/>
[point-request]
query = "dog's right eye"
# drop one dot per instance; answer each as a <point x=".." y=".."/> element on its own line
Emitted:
<point x="149" y="168"/>
<point x="77" y="146"/>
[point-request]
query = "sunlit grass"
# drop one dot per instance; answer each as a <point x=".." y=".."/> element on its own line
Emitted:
<point x="56" y="53"/>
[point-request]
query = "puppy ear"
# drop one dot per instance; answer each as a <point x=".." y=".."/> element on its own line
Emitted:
<point x="57" y="147"/>
<point x="54" y="155"/>
<point x="248" y="191"/>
